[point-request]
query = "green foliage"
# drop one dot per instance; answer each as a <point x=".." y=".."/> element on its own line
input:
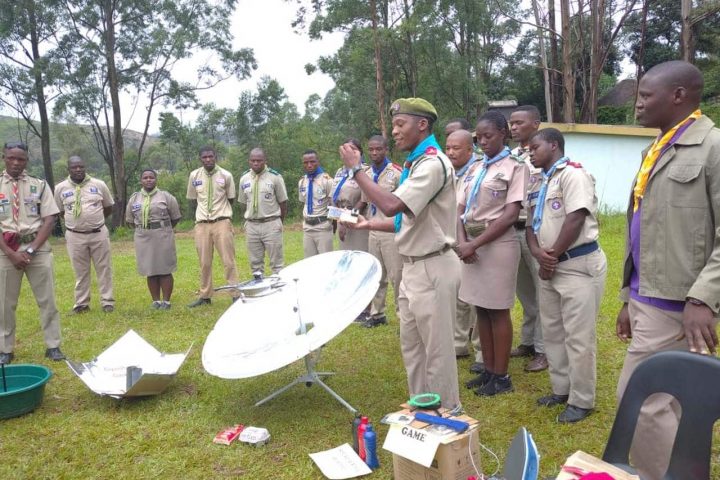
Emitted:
<point x="615" y="115"/>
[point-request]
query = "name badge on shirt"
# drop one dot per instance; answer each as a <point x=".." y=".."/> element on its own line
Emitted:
<point x="302" y="189"/>
<point x="93" y="190"/>
<point x="67" y="194"/>
<point x="468" y="178"/>
<point x="245" y="185"/>
<point x="136" y="207"/>
<point x="197" y="183"/>
<point x="533" y="196"/>
<point x="33" y="189"/>
<point x="220" y="181"/>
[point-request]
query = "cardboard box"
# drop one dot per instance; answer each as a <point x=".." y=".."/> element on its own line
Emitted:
<point x="453" y="458"/>
<point x="587" y="463"/>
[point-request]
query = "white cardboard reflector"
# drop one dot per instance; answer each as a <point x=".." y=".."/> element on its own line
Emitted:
<point x="261" y="334"/>
<point x="130" y="367"/>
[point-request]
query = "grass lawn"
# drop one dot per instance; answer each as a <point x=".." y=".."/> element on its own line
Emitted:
<point x="78" y="434"/>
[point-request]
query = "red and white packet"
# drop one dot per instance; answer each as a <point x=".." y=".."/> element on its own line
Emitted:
<point x="226" y="437"/>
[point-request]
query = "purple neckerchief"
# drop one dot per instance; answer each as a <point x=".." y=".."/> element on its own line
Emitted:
<point x="661" y="303"/>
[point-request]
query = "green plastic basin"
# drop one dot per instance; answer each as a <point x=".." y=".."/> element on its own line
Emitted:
<point x="25" y="389"/>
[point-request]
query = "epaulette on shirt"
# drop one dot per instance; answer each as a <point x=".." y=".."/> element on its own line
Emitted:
<point x="273" y="171"/>
<point x="245" y="172"/>
<point x="575" y="164"/>
<point x="396" y="167"/>
<point x="517" y="158"/>
<point x="431" y="151"/>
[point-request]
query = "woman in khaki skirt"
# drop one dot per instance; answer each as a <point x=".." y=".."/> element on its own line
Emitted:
<point x="488" y="207"/>
<point x="153" y="213"/>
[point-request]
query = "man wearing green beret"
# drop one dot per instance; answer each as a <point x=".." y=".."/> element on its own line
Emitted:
<point x="422" y="211"/>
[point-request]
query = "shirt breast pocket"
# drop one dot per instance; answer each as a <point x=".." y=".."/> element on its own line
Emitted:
<point x="554" y="204"/>
<point x="494" y="192"/>
<point x="686" y="188"/>
<point x="32" y="209"/>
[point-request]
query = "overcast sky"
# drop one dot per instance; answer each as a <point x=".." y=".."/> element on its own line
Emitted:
<point x="264" y="26"/>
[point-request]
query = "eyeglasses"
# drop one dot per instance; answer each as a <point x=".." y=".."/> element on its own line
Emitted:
<point x="19" y="145"/>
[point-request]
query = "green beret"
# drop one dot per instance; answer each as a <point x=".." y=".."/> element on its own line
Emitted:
<point x="413" y="106"/>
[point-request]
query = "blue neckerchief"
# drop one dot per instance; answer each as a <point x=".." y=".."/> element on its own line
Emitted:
<point x="376" y="175"/>
<point x="345" y="175"/>
<point x="311" y="179"/>
<point x="461" y="172"/>
<point x="414" y="155"/>
<point x="505" y="152"/>
<point x="540" y="205"/>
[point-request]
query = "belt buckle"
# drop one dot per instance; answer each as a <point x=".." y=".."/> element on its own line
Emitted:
<point x="565" y="256"/>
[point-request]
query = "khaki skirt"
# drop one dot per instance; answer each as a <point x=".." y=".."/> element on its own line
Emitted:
<point x="490" y="282"/>
<point x="155" y="251"/>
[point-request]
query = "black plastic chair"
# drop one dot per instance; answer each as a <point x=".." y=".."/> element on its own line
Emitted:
<point x="694" y="380"/>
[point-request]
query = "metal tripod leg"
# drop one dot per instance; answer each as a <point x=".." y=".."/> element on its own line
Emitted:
<point x="308" y="379"/>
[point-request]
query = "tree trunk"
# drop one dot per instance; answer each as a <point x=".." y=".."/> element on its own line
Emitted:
<point x="555" y="81"/>
<point x="641" y="52"/>
<point x="119" y="177"/>
<point x="568" y="75"/>
<point x="412" y="64"/>
<point x="39" y="85"/>
<point x="379" y="85"/>
<point x="597" y="18"/>
<point x="543" y="63"/>
<point x="687" y="39"/>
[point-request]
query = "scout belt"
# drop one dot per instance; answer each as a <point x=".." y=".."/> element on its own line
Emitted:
<point x="155" y="225"/>
<point x="219" y="219"/>
<point x="312" y="221"/>
<point x="410" y="259"/>
<point x="262" y="220"/>
<point x="85" y="232"/>
<point x="579" y="251"/>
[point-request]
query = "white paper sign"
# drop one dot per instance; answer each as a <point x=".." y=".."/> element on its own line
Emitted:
<point x="340" y="462"/>
<point x="411" y="443"/>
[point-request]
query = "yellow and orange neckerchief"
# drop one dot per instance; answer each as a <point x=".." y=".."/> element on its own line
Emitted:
<point x="656" y="150"/>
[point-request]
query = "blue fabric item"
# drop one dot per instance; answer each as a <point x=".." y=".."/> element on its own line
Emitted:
<point x="311" y="179"/>
<point x="336" y="193"/>
<point x="505" y="152"/>
<point x="461" y="172"/>
<point x="540" y="205"/>
<point x="376" y="176"/>
<point x="414" y="155"/>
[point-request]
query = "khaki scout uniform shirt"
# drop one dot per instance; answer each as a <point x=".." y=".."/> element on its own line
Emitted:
<point x="163" y="208"/>
<point x="571" y="189"/>
<point x="429" y="194"/>
<point x="388" y="180"/>
<point x="94" y="197"/>
<point x="524" y="155"/>
<point x="350" y="193"/>
<point x="36" y="203"/>
<point x="322" y="194"/>
<point x="504" y="183"/>
<point x="272" y="193"/>
<point x="223" y="187"/>
<point x="680" y="224"/>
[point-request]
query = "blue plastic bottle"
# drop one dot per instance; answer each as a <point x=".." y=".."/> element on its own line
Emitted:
<point x="371" y="457"/>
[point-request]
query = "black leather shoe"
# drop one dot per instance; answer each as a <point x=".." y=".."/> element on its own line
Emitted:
<point x="477" y="368"/>
<point x="362" y="318"/>
<point x="81" y="309"/>
<point x="480" y="380"/>
<point x="199" y="302"/>
<point x="523" y="351"/>
<point x="375" y="322"/>
<point x="108" y="308"/>
<point x="573" y="414"/>
<point x="552" y="400"/>
<point x="54" y="354"/>
<point x="495" y="386"/>
<point x="6" y="358"/>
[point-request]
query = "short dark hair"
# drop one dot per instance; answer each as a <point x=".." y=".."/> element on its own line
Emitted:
<point x="20" y="145"/>
<point x="207" y="148"/>
<point x="378" y="138"/>
<point x="496" y="118"/>
<point x="464" y="124"/>
<point x="551" y="135"/>
<point x="148" y="170"/>
<point x="310" y="151"/>
<point x="531" y="109"/>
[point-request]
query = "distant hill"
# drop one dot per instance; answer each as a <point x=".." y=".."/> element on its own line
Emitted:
<point x="65" y="140"/>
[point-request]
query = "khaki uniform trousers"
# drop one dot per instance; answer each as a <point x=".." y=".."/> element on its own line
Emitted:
<point x="427" y="297"/>
<point x="260" y="237"/>
<point x="382" y="246"/>
<point x="210" y="236"/>
<point x="465" y="319"/>
<point x="527" y="292"/>
<point x="355" y="240"/>
<point x="42" y="282"/>
<point x="317" y="239"/>
<point x="84" y="248"/>
<point x="653" y="330"/>
<point x="569" y="304"/>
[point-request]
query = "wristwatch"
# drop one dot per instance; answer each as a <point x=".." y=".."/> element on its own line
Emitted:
<point x="30" y="251"/>
<point x="695" y="301"/>
<point x="354" y="170"/>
